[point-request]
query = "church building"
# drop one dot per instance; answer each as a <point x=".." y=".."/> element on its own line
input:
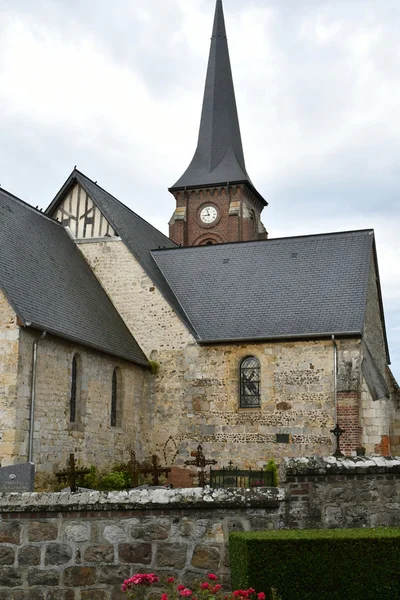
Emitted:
<point x="114" y="337"/>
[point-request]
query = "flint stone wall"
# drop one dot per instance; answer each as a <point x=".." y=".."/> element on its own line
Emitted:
<point x="82" y="546"/>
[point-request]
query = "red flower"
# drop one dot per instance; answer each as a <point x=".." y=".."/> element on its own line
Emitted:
<point x="170" y="579"/>
<point x="180" y="587"/>
<point x="164" y="597"/>
<point x="261" y="596"/>
<point x="205" y="585"/>
<point x="185" y="592"/>
<point x="212" y="577"/>
<point x="217" y="587"/>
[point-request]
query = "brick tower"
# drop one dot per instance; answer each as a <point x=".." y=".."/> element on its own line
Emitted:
<point x="216" y="201"/>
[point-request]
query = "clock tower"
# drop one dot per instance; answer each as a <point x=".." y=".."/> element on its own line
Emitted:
<point x="216" y="201"/>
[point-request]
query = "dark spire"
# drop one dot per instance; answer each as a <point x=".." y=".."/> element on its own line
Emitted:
<point x="219" y="155"/>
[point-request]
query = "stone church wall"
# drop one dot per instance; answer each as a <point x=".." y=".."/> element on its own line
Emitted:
<point x="296" y="400"/>
<point x="148" y="315"/>
<point x="9" y="342"/>
<point x="194" y="398"/>
<point x="91" y="437"/>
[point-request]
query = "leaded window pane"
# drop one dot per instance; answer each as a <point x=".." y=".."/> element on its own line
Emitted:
<point x="114" y="392"/>
<point x="72" y="404"/>
<point x="250" y="383"/>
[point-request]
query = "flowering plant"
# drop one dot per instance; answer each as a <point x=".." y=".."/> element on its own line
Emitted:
<point x="137" y="586"/>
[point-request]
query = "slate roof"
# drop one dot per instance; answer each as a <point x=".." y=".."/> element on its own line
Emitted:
<point x="139" y="236"/>
<point x="278" y="288"/>
<point x="50" y="285"/>
<point x="219" y="157"/>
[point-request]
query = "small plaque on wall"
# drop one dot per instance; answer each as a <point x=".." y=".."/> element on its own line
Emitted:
<point x="282" y="438"/>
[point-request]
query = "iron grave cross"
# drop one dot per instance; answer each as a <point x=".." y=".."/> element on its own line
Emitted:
<point x="200" y="462"/>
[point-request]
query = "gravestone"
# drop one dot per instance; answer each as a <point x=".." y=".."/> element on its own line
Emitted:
<point x="17" y="478"/>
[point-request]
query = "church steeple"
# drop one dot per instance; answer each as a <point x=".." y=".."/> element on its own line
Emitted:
<point x="219" y="159"/>
<point x="219" y="155"/>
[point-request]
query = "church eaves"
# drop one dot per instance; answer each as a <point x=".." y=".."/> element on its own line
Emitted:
<point x="219" y="157"/>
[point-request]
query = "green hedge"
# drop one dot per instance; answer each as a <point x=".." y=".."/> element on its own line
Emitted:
<point x="329" y="564"/>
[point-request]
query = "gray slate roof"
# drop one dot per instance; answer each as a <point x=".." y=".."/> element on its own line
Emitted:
<point x="219" y="155"/>
<point x="277" y="288"/>
<point x="138" y="235"/>
<point x="51" y="286"/>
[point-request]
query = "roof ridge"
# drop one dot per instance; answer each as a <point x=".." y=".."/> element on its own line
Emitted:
<point x="122" y="204"/>
<point x="27" y="205"/>
<point x="269" y="240"/>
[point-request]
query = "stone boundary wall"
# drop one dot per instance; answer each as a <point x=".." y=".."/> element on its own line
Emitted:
<point x="81" y="547"/>
<point x="341" y="493"/>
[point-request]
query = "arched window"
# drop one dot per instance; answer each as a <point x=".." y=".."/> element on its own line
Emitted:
<point x="75" y="388"/>
<point x="116" y="398"/>
<point x="250" y="382"/>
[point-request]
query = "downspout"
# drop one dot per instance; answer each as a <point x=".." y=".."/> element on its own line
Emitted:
<point x="33" y="396"/>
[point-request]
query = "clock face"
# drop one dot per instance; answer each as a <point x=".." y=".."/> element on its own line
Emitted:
<point x="208" y="214"/>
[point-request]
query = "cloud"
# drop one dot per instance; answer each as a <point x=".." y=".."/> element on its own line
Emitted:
<point x="118" y="92"/>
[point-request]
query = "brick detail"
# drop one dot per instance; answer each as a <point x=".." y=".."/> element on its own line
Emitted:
<point x="384" y="447"/>
<point x="239" y="216"/>
<point x="348" y="412"/>
<point x="179" y="477"/>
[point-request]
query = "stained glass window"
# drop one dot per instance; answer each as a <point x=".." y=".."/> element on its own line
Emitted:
<point x="72" y="402"/>
<point x="250" y="382"/>
<point x="114" y="398"/>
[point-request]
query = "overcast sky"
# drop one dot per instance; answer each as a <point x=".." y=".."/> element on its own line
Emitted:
<point x="116" y="89"/>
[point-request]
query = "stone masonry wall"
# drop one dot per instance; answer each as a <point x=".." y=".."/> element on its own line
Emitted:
<point x="195" y="396"/>
<point x="9" y="342"/>
<point x="142" y="306"/>
<point x="341" y="493"/>
<point x="91" y="438"/>
<point x="82" y="547"/>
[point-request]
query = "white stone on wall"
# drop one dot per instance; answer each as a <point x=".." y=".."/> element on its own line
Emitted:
<point x="9" y="341"/>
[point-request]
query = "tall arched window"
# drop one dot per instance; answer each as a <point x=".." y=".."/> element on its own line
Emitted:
<point x="250" y="382"/>
<point x="116" y="398"/>
<point x="75" y="388"/>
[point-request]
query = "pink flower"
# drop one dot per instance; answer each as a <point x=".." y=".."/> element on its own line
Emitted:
<point x="217" y="587"/>
<point x="212" y="577"/>
<point x="170" y="579"/>
<point x="261" y="596"/>
<point x="164" y="597"/>
<point x="180" y="587"/>
<point x="205" y="585"/>
<point x="185" y="592"/>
